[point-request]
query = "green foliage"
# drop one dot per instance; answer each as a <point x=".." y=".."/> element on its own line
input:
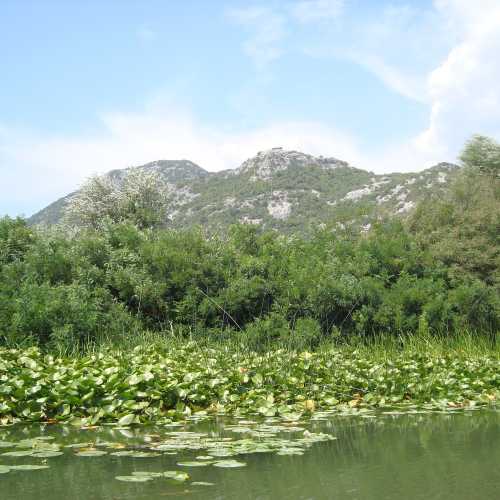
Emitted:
<point x="73" y="290"/>
<point x="15" y="239"/>
<point x="172" y="380"/>
<point x="140" y="197"/>
<point x="320" y="192"/>
<point x="482" y="153"/>
<point x="462" y="229"/>
<point x="437" y="274"/>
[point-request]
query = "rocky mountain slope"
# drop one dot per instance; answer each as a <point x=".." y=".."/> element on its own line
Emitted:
<point x="285" y="190"/>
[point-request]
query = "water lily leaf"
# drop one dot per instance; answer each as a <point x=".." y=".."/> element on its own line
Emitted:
<point x="143" y="454"/>
<point x="48" y="454"/>
<point x="78" y="445"/>
<point x="26" y="443"/>
<point x="4" y="469"/>
<point x="147" y="474"/>
<point x="127" y="419"/>
<point x="91" y="453"/>
<point x="134" y="479"/>
<point x="135" y="379"/>
<point x="26" y="453"/>
<point x="229" y="464"/>
<point x="125" y="453"/>
<point x="202" y="483"/>
<point x="193" y="464"/>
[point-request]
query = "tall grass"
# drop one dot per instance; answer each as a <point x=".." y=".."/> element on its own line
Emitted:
<point x="382" y="347"/>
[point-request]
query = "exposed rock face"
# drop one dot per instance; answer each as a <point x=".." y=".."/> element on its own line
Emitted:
<point x="266" y="164"/>
<point x="284" y="190"/>
<point x="278" y="206"/>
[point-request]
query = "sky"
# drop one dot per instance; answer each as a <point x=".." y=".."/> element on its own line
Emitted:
<point x="86" y="87"/>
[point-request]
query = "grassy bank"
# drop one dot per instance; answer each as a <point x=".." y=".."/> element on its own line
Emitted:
<point x="174" y="380"/>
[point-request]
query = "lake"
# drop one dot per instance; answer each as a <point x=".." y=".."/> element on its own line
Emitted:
<point x="376" y="455"/>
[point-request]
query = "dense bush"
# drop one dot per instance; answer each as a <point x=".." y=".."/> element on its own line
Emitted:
<point x="60" y="289"/>
<point x="437" y="273"/>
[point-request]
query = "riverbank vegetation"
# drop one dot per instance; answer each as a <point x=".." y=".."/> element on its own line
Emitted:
<point x="164" y="381"/>
<point x="250" y="321"/>
<point x="437" y="274"/>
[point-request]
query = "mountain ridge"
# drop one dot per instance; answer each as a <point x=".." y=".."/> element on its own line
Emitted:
<point x="282" y="189"/>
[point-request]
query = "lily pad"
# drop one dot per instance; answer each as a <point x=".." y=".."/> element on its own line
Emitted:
<point x="4" y="469"/>
<point x="25" y="453"/>
<point x="125" y="453"/>
<point x="91" y="453"/>
<point x="147" y="474"/>
<point x="143" y="454"/>
<point x="47" y="454"/>
<point x="79" y="445"/>
<point x="127" y="420"/>
<point x="202" y="483"/>
<point x="134" y="479"/>
<point x="229" y="464"/>
<point x="193" y="464"/>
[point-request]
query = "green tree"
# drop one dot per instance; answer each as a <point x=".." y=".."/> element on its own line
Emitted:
<point x="141" y="197"/>
<point x="482" y="153"/>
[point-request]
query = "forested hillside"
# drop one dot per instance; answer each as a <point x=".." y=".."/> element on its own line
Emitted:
<point x="277" y="189"/>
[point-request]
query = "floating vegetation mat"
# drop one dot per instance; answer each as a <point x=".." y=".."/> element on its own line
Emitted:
<point x="199" y="452"/>
<point x="258" y="457"/>
<point x="162" y="385"/>
<point x="222" y="445"/>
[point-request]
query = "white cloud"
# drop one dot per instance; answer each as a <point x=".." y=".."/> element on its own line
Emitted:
<point x="460" y="87"/>
<point x="463" y="89"/>
<point x="266" y="27"/>
<point x="307" y="11"/>
<point x="402" y="82"/>
<point x="48" y="167"/>
<point x="446" y="58"/>
<point x="398" y="44"/>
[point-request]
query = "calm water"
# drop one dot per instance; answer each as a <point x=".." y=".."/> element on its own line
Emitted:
<point x="421" y="456"/>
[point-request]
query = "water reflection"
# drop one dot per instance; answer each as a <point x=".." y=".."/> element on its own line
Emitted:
<point x="418" y="456"/>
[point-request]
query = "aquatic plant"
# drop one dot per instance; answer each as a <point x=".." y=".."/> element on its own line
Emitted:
<point x="186" y="380"/>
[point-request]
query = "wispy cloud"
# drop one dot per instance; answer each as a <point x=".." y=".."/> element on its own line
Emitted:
<point x="51" y="166"/>
<point x="307" y="11"/>
<point x="267" y="25"/>
<point x="459" y="84"/>
<point x="393" y="44"/>
<point x="266" y="29"/>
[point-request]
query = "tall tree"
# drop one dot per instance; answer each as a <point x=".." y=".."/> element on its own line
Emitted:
<point x="483" y="154"/>
<point x="141" y="198"/>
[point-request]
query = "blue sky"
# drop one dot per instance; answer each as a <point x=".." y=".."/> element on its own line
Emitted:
<point x="90" y="86"/>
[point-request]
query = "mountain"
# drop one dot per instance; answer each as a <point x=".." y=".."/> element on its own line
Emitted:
<point x="284" y="190"/>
